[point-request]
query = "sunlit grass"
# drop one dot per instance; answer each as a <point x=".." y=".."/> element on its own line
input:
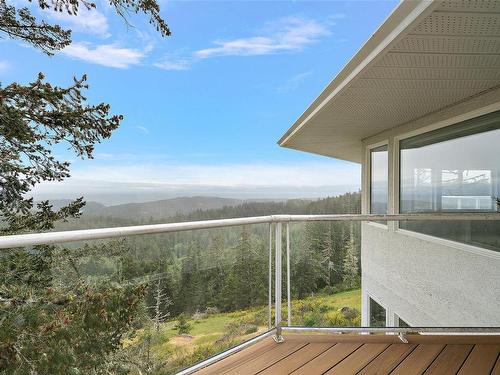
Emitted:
<point x="212" y="333"/>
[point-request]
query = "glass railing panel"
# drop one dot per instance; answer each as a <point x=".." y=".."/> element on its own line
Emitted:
<point x="142" y="304"/>
<point x="325" y="274"/>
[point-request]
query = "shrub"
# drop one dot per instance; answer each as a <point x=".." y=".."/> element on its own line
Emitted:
<point x="199" y="315"/>
<point x="356" y="322"/>
<point x="336" y="319"/>
<point x="313" y="319"/>
<point x="250" y="328"/>
<point x="328" y="290"/>
<point x="349" y="313"/>
<point x="183" y="326"/>
<point x="212" y="310"/>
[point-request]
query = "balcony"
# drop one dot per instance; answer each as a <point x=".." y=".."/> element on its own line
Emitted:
<point x="369" y="354"/>
<point x="283" y="347"/>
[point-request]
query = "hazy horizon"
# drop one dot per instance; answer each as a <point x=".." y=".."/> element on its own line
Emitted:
<point x="127" y="195"/>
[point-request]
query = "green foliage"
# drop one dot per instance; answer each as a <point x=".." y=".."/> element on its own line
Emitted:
<point x="321" y="312"/>
<point x="183" y="326"/>
<point x="247" y="281"/>
<point x="21" y="24"/>
<point x="61" y="312"/>
<point x="350" y="275"/>
<point x="51" y="335"/>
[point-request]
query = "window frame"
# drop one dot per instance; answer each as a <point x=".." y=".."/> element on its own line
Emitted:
<point x="396" y="161"/>
<point x="386" y="310"/>
<point x="368" y="195"/>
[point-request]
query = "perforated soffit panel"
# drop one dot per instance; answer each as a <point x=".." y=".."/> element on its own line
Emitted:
<point x="445" y="57"/>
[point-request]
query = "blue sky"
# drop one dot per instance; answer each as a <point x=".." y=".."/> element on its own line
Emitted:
<point x="204" y="108"/>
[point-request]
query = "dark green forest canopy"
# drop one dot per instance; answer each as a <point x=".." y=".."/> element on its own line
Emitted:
<point x="227" y="268"/>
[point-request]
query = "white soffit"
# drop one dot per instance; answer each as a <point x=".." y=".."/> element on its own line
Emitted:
<point x="424" y="57"/>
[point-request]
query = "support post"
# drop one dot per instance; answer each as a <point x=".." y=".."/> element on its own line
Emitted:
<point x="277" y="286"/>
<point x="270" y="291"/>
<point x="288" y="292"/>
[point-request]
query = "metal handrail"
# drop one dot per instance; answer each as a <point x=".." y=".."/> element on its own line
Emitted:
<point x="32" y="239"/>
<point x="404" y="330"/>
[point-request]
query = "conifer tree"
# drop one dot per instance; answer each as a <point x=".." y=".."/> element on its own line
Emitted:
<point x="310" y="267"/>
<point x="47" y="326"/>
<point x="351" y="270"/>
<point x="216" y="270"/>
<point x="191" y="294"/>
<point x="246" y="284"/>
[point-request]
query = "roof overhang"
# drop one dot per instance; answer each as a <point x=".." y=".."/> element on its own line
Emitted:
<point x="427" y="55"/>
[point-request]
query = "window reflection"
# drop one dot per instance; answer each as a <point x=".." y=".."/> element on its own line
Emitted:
<point x="377" y="314"/>
<point x="379" y="180"/>
<point x="456" y="168"/>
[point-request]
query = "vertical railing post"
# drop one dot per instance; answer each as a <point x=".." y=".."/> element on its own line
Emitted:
<point x="288" y="291"/>
<point x="277" y="286"/>
<point x="270" y="318"/>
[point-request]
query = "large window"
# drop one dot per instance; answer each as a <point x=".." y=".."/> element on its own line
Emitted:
<point x="379" y="177"/>
<point x="456" y="168"/>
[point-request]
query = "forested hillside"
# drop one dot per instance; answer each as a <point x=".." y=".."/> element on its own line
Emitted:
<point x="217" y="279"/>
<point x="227" y="268"/>
<point x="97" y="216"/>
<point x="215" y="282"/>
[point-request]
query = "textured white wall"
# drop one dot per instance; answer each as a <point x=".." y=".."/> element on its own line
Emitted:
<point x="430" y="282"/>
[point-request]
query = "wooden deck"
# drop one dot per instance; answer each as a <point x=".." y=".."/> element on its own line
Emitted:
<point x="365" y="354"/>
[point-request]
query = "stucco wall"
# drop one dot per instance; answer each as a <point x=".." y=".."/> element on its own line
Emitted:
<point x="430" y="283"/>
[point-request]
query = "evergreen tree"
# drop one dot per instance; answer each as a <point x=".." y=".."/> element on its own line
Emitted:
<point x="246" y="284"/>
<point x="216" y="270"/>
<point x="49" y="326"/>
<point x="310" y="267"/>
<point x="328" y="253"/>
<point x="351" y="270"/>
<point x="191" y="294"/>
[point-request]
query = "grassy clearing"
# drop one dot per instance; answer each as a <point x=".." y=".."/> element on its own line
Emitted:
<point x="212" y="333"/>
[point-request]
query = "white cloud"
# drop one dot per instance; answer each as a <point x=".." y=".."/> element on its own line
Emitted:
<point x="87" y="21"/>
<point x="287" y="34"/>
<point x="143" y="129"/>
<point x="4" y="65"/>
<point x="294" y="82"/>
<point x="105" y="54"/>
<point x="168" y="64"/>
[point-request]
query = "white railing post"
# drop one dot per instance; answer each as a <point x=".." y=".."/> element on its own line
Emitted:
<point x="270" y="318"/>
<point x="288" y="287"/>
<point x="277" y="286"/>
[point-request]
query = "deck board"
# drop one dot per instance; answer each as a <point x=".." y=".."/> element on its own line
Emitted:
<point x="481" y="360"/>
<point x="333" y="354"/>
<point x="295" y="360"/>
<point x="450" y="360"/>
<point x="496" y="369"/>
<point x="267" y="359"/>
<point x="388" y="360"/>
<point x="358" y="359"/>
<point x="238" y="358"/>
<point x="328" y="359"/>
<point x="418" y="361"/>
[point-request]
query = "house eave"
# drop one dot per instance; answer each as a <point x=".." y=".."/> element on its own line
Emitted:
<point x="338" y="120"/>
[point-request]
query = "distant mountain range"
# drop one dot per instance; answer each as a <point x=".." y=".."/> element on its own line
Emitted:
<point x="156" y="209"/>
